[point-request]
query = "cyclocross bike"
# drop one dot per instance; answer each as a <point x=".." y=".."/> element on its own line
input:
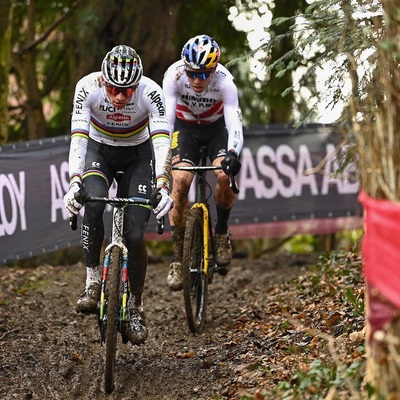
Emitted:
<point x="113" y="314"/>
<point x="198" y="260"/>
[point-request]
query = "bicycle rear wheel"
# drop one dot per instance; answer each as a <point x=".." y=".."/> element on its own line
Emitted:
<point x="195" y="282"/>
<point x="113" y="283"/>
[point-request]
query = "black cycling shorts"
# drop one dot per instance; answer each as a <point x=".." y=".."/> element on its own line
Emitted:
<point x="104" y="161"/>
<point x="188" y="139"/>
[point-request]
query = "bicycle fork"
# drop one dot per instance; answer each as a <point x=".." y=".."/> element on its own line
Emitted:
<point x="117" y="240"/>
<point x="205" y="235"/>
<point x="125" y="281"/>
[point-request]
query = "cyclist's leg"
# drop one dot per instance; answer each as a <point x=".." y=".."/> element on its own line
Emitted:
<point x="95" y="182"/>
<point x="185" y="151"/>
<point x="224" y="200"/>
<point x="177" y="215"/>
<point x="137" y="182"/>
<point x="135" y="227"/>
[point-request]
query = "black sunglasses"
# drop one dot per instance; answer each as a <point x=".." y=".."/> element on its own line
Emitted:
<point x="202" y="75"/>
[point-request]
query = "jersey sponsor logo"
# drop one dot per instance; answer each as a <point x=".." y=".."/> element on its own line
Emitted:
<point x="80" y="98"/>
<point x="196" y="101"/>
<point x="106" y="108"/>
<point x="81" y="120"/>
<point x="156" y="98"/>
<point x="142" y="188"/>
<point x="118" y="117"/>
<point x="239" y="113"/>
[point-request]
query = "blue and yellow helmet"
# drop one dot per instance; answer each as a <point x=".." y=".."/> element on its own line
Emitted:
<point x="201" y="52"/>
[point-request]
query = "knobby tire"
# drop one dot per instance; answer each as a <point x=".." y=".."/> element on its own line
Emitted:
<point x="113" y="284"/>
<point x="195" y="282"/>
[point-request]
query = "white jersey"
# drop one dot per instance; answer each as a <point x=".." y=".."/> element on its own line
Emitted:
<point x="219" y="99"/>
<point x="94" y="116"/>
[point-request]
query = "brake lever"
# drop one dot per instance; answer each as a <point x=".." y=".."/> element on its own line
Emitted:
<point x="160" y="226"/>
<point x="73" y="222"/>
<point x="233" y="185"/>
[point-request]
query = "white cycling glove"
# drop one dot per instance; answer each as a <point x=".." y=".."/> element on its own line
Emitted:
<point x="164" y="205"/>
<point x="71" y="205"/>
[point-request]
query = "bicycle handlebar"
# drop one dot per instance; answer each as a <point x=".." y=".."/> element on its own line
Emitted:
<point x="117" y="202"/>
<point x="232" y="181"/>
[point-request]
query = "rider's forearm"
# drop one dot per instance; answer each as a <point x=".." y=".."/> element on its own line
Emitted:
<point x="163" y="156"/>
<point x="233" y="121"/>
<point x="77" y="154"/>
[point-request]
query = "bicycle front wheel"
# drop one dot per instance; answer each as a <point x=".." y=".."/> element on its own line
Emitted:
<point x="195" y="282"/>
<point x="113" y="283"/>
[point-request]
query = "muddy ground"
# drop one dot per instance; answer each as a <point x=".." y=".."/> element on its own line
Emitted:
<point x="48" y="351"/>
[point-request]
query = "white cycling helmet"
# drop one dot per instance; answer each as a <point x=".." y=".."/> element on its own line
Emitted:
<point x="122" y="67"/>
<point x="201" y="52"/>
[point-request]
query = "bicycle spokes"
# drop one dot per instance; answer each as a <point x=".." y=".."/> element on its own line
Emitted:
<point x="194" y="276"/>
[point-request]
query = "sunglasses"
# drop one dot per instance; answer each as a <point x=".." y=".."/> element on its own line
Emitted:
<point x="202" y="75"/>
<point x="115" y="91"/>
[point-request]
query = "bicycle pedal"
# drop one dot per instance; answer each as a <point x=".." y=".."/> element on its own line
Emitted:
<point x="222" y="270"/>
<point x="210" y="275"/>
<point x="122" y="329"/>
<point x="124" y="338"/>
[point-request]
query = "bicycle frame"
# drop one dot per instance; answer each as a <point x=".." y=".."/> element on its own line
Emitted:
<point x="206" y="234"/>
<point x="201" y="202"/>
<point x="116" y="240"/>
<point x="198" y="259"/>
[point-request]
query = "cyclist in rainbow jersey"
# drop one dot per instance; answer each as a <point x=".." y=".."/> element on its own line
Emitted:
<point x="118" y="119"/>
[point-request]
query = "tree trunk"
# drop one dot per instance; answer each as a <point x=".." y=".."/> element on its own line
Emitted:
<point x="36" y="124"/>
<point x="5" y="44"/>
<point x="24" y="61"/>
<point x="281" y="108"/>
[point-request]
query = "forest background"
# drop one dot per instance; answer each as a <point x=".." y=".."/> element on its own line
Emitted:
<point x="47" y="46"/>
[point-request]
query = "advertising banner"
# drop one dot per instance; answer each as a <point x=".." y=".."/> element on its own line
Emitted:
<point x="288" y="185"/>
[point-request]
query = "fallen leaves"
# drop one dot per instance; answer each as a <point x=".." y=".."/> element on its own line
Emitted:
<point x="307" y="319"/>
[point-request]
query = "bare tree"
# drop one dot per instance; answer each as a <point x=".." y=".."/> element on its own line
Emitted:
<point x="5" y="40"/>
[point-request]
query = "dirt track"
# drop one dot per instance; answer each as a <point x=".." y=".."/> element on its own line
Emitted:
<point x="48" y="351"/>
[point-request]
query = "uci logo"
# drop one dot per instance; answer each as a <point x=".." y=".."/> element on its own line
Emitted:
<point x="142" y="188"/>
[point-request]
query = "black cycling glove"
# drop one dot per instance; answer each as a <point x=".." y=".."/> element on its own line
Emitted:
<point x="230" y="164"/>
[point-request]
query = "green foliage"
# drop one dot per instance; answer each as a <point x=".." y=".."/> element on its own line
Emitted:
<point x="357" y="301"/>
<point x="159" y="247"/>
<point x="31" y="286"/>
<point x="302" y="244"/>
<point x="315" y="383"/>
<point x="331" y="35"/>
<point x="68" y="39"/>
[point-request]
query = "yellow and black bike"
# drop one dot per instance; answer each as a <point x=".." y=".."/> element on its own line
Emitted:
<point x="198" y="261"/>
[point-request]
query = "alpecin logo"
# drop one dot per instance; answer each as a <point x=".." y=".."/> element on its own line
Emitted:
<point x="118" y="117"/>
